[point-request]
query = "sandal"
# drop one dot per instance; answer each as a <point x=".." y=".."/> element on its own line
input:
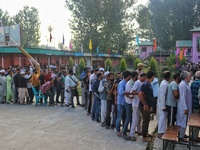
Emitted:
<point x="132" y="138"/>
<point x="146" y="139"/>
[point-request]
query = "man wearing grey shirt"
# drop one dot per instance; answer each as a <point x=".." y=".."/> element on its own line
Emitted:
<point x="172" y="98"/>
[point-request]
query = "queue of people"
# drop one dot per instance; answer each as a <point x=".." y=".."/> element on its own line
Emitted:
<point x="120" y="101"/>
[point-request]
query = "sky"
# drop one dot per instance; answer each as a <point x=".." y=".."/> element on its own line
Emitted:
<point x="51" y="12"/>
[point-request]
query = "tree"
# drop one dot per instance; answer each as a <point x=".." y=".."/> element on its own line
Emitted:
<point x="169" y="20"/>
<point x="183" y="60"/>
<point x="108" y="64"/>
<point x="5" y="18"/>
<point x="171" y="60"/>
<point x="28" y="18"/>
<point x="153" y="65"/>
<point x="71" y="62"/>
<point x="123" y="65"/>
<point x="81" y="65"/>
<point x="137" y="60"/>
<point x="107" y="22"/>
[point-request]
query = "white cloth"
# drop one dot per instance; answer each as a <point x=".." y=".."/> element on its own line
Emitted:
<point x="29" y="84"/>
<point x="136" y="87"/>
<point x="162" y="115"/>
<point x="91" y="79"/>
<point x="67" y="94"/>
<point x="136" y="121"/>
<point x="128" y="87"/>
<point x="103" y="110"/>
<point x="184" y="103"/>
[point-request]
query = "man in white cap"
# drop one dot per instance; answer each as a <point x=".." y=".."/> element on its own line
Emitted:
<point x="103" y="96"/>
<point x="23" y="91"/>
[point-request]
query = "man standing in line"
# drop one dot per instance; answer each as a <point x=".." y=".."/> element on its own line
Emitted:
<point x="146" y="103"/>
<point x="136" y="117"/>
<point x="161" y="106"/>
<point x="172" y="98"/>
<point x="67" y="90"/>
<point x="155" y="86"/>
<point x="128" y="103"/>
<point x="184" y="108"/>
<point x="15" y="82"/>
<point x="121" y="113"/>
<point x="195" y="87"/>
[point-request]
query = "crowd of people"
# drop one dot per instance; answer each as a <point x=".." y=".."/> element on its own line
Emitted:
<point x="119" y="101"/>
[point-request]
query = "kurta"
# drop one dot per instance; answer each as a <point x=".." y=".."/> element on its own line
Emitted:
<point x="9" y="88"/>
<point x="2" y="88"/>
<point x="184" y="103"/>
<point x="162" y="115"/>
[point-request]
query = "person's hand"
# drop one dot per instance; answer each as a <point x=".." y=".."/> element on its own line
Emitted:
<point x="186" y="112"/>
<point x="164" y="109"/>
<point x="146" y="107"/>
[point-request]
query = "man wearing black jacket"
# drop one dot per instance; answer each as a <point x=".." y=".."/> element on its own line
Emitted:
<point x="97" y="101"/>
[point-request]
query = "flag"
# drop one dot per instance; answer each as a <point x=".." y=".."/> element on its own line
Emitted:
<point x="90" y="44"/>
<point x="63" y="40"/>
<point x="154" y="44"/>
<point x="81" y="48"/>
<point x="50" y="37"/>
<point x="137" y="40"/>
<point x="97" y="49"/>
<point x="70" y="45"/>
<point x="181" y="54"/>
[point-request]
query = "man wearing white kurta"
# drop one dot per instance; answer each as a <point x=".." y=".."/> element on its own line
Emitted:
<point x="161" y="106"/>
<point x="184" y="108"/>
<point x="136" y="117"/>
<point x="67" y="90"/>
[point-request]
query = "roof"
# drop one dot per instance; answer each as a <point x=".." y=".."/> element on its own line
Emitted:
<point x="197" y="29"/>
<point x="158" y="48"/>
<point x="146" y="43"/>
<point x="184" y="43"/>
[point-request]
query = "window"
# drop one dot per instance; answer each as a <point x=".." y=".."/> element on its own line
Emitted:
<point x="144" y="49"/>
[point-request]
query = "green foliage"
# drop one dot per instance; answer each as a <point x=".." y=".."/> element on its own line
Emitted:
<point x="81" y="64"/>
<point x="183" y="61"/>
<point x="28" y="18"/>
<point x="123" y="65"/>
<point x="130" y="60"/>
<point x="108" y="64"/>
<point x="107" y="22"/>
<point x="153" y="65"/>
<point x="5" y="18"/>
<point x="169" y="20"/>
<point x="71" y="62"/>
<point x="171" y="60"/>
<point x="137" y="60"/>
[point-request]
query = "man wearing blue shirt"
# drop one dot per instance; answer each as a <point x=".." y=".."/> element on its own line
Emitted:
<point x="120" y="100"/>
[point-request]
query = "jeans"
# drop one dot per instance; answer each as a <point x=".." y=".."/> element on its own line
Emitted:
<point x="145" y="121"/>
<point x="89" y="105"/>
<point x="171" y="111"/>
<point x="50" y="95"/>
<point x="108" y="107"/>
<point x="128" y="109"/>
<point x="96" y="108"/>
<point x="73" y="93"/>
<point x="120" y="116"/>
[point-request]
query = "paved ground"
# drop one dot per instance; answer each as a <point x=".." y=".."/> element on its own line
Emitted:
<point x="26" y="127"/>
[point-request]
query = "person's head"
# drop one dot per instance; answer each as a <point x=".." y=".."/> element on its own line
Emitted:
<point x="28" y="71"/>
<point x="143" y="77"/>
<point x="166" y="75"/>
<point x="118" y="76"/>
<point x="150" y="76"/>
<point x="35" y="71"/>
<point x="140" y="66"/>
<point x="106" y="75"/>
<point x="70" y="71"/>
<point x="85" y="69"/>
<point x="176" y="77"/>
<point x="49" y="71"/>
<point x="111" y="76"/>
<point x="17" y="70"/>
<point x="88" y="72"/>
<point x="197" y="75"/>
<point x="126" y="75"/>
<point x="22" y="73"/>
<point x="134" y="75"/>
<point x="185" y="76"/>
<point x="64" y="73"/>
<point x="10" y="72"/>
<point x="99" y="75"/>
<point x="96" y="70"/>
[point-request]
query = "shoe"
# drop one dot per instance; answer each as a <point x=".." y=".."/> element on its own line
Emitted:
<point x="97" y="121"/>
<point x="61" y="104"/>
<point x="133" y="138"/>
<point x="112" y="127"/>
<point x="159" y="135"/>
<point x="57" y="101"/>
<point x="182" y="140"/>
<point x="102" y="124"/>
<point x="125" y="137"/>
<point x="88" y="114"/>
<point x="67" y="105"/>
<point x="119" y="134"/>
<point x="51" y="104"/>
<point x="79" y="104"/>
<point x="107" y="127"/>
<point x="73" y="107"/>
<point x="93" y="119"/>
<point x="186" y="136"/>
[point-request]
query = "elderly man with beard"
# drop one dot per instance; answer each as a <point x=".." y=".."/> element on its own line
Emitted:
<point x="184" y="108"/>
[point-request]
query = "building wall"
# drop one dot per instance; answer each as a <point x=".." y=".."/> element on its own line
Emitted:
<point x="195" y="53"/>
<point x="143" y="55"/>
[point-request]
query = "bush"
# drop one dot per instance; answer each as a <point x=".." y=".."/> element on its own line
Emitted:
<point x="81" y="65"/>
<point x="153" y="65"/>
<point x="137" y="60"/>
<point x="71" y="62"/>
<point x="123" y="65"/>
<point x="108" y="64"/>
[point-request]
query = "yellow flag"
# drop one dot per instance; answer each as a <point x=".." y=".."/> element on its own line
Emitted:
<point x="90" y="44"/>
<point x="181" y="54"/>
